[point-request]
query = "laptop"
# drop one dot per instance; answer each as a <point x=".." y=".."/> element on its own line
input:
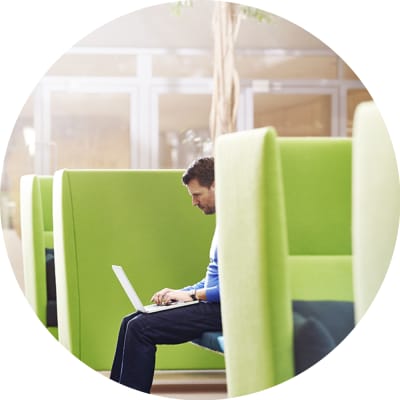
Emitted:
<point x="135" y="300"/>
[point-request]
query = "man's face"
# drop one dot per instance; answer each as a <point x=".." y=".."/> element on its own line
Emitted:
<point x="202" y="196"/>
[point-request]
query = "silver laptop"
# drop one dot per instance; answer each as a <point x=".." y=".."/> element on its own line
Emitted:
<point x="134" y="298"/>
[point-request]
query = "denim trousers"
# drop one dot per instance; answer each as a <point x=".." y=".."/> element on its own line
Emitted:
<point x="140" y="333"/>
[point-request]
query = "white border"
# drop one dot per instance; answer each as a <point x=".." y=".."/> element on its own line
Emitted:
<point x="33" y="34"/>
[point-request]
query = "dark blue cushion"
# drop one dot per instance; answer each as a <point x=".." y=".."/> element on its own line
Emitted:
<point x="211" y="340"/>
<point x="319" y="326"/>
<point x="336" y="316"/>
<point x="51" y="306"/>
<point x="221" y="343"/>
<point x="312" y="342"/>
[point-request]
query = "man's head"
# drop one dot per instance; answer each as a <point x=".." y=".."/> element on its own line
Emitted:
<point x="199" y="180"/>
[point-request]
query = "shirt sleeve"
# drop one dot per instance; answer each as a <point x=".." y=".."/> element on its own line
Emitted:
<point x="211" y="280"/>
<point x="196" y="286"/>
<point x="212" y="294"/>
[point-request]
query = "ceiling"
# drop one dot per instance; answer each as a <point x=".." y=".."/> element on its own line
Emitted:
<point x="265" y="50"/>
<point x="160" y="27"/>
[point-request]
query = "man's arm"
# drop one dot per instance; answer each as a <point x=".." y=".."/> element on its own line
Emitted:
<point x="167" y="296"/>
<point x="201" y="294"/>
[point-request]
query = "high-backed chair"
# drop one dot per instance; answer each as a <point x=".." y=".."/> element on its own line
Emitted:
<point x="317" y="182"/>
<point x="142" y="220"/>
<point x="376" y="204"/>
<point x="37" y="247"/>
<point x="284" y="226"/>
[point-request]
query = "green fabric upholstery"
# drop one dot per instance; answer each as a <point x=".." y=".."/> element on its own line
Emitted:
<point x="255" y="290"/>
<point x="317" y="186"/>
<point x="376" y="204"/>
<point x="284" y="224"/>
<point x="142" y="220"/>
<point x="36" y="237"/>
<point x="321" y="277"/>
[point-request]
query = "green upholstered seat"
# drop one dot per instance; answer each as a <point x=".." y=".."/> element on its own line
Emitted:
<point x="284" y="225"/>
<point x="142" y="220"/>
<point x="319" y="277"/>
<point x="36" y="237"/>
<point x="376" y="204"/>
<point x="255" y="290"/>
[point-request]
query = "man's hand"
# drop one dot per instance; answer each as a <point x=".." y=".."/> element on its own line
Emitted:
<point x="168" y="296"/>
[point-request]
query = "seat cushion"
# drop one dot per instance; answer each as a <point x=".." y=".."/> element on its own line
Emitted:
<point x="336" y="316"/>
<point x="211" y="340"/>
<point x="312" y="342"/>
<point x="319" y="326"/>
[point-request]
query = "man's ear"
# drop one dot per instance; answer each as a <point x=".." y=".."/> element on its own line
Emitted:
<point x="212" y="187"/>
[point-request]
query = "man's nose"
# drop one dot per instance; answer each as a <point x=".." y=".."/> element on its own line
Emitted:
<point x="195" y="202"/>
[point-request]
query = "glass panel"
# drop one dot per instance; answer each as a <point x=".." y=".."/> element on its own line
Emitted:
<point x="18" y="161"/>
<point x="184" y="130"/>
<point x="294" y="114"/>
<point x="94" y="65"/>
<point x="182" y="66"/>
<point x="354" y="98"/>
<point x="348" y="73"/>
<point x="286" y="67"/>
<point x="90" y="130"/>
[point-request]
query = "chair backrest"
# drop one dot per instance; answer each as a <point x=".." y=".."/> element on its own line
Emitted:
<point x="376" y="204"/>
<point x="284" y="224"/>
<point x="253" y="248"/>
<point x="317" y="183"/>
<point x="142" y="220"/>
<point x="37" y="240"/>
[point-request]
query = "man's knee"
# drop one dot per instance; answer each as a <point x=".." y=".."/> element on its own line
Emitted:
<point x="139" y="329"/>
<point x="136" y="323"/>
<point x="125" y="321"/>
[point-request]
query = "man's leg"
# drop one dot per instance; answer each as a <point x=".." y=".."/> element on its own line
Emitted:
<point x="117" y="363"/>
<point x="144" y="331"/>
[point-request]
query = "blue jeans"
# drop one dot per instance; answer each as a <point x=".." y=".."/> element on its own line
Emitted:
<point x="134" y="359"/>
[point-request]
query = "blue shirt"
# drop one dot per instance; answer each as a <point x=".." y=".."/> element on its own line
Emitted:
<point x="211" y="281"/>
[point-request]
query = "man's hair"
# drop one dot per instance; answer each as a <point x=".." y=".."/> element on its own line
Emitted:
<point x="201" y="169"/>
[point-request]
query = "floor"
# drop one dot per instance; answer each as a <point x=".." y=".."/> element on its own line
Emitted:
<point x="193" y="395"/>
<point x="189" y="385"/>
<point x="199" y="385"/>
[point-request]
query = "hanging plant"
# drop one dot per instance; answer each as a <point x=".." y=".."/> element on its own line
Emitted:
<point x="225" y="98"/>
<point x="246" y="11"/>
<point x="252" y="12"/>
<point x="178" y="5"/>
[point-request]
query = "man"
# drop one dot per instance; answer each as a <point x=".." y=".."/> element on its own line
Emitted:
<point x="134" y="359"/>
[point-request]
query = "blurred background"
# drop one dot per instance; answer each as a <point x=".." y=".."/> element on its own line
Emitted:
<point x="136" y="93"/>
